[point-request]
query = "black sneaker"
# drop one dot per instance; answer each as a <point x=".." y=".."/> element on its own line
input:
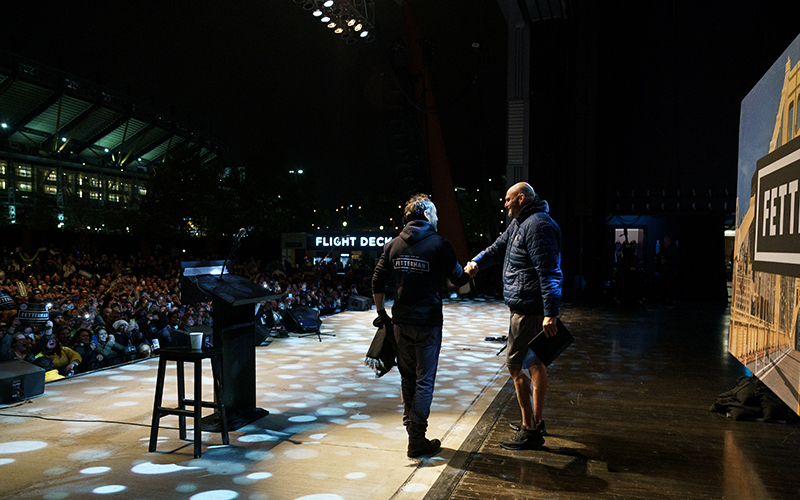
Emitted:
<point x="429" y="448"/>
<point x="518" y="425"/>
<point x="523" y="439"/>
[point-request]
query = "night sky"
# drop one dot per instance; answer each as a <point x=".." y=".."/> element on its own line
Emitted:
<point x="275" y="86"/>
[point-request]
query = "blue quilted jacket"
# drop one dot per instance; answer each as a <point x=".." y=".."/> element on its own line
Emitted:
<point x="530" y="251"/>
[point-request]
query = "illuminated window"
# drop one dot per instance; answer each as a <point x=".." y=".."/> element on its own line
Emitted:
<point x="80" y="193"/>
<point x="113" y="197"/>
<point x="113" y="185"/>
<point x="2" y="168"/>
<point x="24" y="171"/>
<point x="142" y="190"/>
<point x="80" y="181"/>
<point x="2" y="184"/>
<point x="94" y="182"/>
<point x="94" y="195"/>
<point x="25" y="186"/>
<point x="50" y="189"/>
<point x="52" y="176"/>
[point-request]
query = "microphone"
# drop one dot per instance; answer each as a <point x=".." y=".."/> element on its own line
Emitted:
<point x="242" y="232"/>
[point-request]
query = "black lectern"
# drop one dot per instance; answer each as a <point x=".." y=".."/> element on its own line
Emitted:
<point x="234" y="331"/>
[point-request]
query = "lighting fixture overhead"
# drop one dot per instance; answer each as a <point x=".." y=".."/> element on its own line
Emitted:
<point x="344" y="17"/>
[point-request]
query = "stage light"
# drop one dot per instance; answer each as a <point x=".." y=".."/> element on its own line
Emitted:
<point x="364" y="34"/>
<point x="4" y="125"/>
<point x="344" y="17"/>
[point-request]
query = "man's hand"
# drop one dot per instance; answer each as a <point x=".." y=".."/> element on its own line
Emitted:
<point x="471" y="268"/>
<point x="549" y="326"/>
<point x="382" y="319"/>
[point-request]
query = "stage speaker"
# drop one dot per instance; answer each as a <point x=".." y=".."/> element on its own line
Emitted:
<point x="302" y="319"/>
<point x="20" y="380"/>
<point x="359" y="303"/>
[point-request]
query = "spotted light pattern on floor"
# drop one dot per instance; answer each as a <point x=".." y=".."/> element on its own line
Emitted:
<point x="333" y="431"/>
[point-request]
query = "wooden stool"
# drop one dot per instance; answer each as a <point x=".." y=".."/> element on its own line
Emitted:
<point x="181" y="355"/>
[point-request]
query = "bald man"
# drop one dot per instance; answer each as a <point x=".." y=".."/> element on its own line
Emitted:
<point x="530" y="251"/>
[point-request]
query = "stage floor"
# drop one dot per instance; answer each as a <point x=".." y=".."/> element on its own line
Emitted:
<point x="334" y="431"/>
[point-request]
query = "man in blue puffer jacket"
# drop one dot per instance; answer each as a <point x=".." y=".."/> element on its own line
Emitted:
<point x="530" y="251"/>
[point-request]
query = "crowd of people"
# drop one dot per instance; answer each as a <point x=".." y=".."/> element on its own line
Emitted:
<point x="104" y="309"/>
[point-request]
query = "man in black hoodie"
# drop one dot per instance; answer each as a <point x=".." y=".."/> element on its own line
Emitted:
<point x="418" y="260"/>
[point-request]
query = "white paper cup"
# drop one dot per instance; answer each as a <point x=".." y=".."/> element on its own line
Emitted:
<point x="197" y="340"/>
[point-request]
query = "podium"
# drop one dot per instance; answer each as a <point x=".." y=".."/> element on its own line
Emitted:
<point x="234" y="331"/>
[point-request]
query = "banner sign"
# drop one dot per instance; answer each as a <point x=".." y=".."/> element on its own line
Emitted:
<point x="776" y="186"/>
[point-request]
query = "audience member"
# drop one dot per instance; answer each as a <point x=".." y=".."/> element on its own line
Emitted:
<point x="108" y="347"/>
<point x="54" y="356"/>
<point x="90" y="358"/>
<point x="20" y="349"/>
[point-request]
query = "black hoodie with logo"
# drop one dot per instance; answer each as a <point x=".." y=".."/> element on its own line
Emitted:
<point x="418" y="260"/>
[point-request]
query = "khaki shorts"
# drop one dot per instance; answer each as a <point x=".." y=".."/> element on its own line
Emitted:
<point x="522" y="328"/>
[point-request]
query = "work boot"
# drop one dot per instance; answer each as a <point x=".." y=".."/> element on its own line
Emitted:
<point x="428" y="447"/>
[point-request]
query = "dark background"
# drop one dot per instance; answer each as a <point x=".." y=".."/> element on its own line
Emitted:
<point x="626" y="97"/>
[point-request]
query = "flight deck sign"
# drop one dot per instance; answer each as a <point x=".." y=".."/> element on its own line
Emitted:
<point x="351" y="242"/>
<point x="777" y="223"/>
